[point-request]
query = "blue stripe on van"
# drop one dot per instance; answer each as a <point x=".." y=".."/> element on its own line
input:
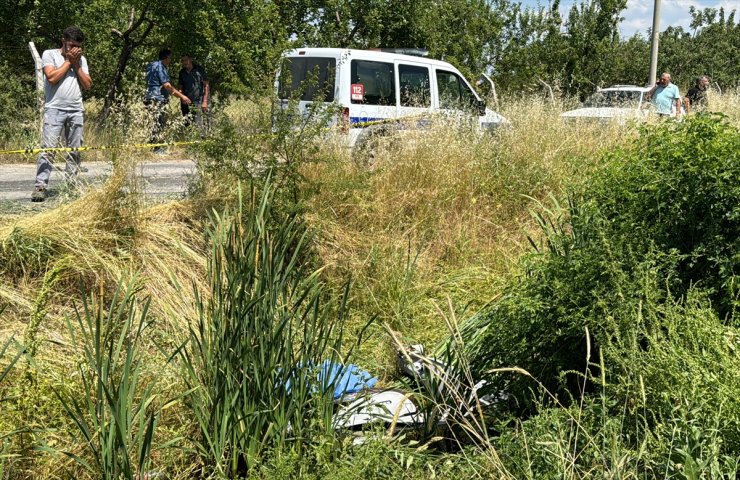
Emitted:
<point x="353" y="120"/>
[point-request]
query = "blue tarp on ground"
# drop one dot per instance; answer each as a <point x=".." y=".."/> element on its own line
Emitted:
<point x="347" y="379"/>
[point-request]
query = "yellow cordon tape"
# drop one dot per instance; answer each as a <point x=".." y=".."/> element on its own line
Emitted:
<point x="22" y="151"/>
<point x="82" y="149"/>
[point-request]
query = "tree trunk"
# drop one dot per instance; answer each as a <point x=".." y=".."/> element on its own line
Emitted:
<point x="110" y="96"/>
<point x="129" y="44"/>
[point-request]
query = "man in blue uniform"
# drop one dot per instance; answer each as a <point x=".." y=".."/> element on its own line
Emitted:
<point x="158" y="90"/>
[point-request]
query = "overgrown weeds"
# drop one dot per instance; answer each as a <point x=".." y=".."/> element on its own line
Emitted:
<point x="659" y="218"/>
<point x="116" y="416"/>
<point x="442" y="214"/>
<point x="643" y="258"/>
<point x="256" y="358"/>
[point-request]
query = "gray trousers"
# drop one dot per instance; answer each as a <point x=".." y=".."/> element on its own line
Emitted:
<point x="158" y="110"/>
<point x="194" y="113"/>
<point x="59" y="125"/>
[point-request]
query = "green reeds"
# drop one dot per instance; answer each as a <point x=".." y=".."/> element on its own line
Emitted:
<point x="116" y="416"/>
<point x="4" y="371"/>
<point x="253" y="360"/>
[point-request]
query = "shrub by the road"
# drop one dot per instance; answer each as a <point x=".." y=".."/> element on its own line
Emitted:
<point x="630" y="300"/>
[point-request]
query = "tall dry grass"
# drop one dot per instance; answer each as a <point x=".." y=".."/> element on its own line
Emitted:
<point x="104" y="233"/>
<point x="727" y="103"/>
<point x="442" y="213"/>
<point x="445" y="212"/>
<point x="49" y="259"/>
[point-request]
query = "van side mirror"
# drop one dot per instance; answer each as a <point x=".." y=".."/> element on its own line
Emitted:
<point x="481" y="105"/>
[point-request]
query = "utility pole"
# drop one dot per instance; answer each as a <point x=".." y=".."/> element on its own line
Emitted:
<point x="654" y="44"/>
<point x="39" y="84"/>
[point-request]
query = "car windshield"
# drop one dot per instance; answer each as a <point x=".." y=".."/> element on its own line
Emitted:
<point x="614" y="98"/>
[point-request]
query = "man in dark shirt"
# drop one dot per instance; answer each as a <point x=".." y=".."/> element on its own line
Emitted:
<point x="696" y="97"/>
<point x="158" y="89"/>
<point x="193" y="82"/>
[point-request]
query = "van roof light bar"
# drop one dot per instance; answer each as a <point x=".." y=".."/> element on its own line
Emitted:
<point x="416" y="52"/>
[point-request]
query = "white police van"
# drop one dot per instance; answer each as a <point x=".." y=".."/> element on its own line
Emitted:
<point x="375" y="87"/>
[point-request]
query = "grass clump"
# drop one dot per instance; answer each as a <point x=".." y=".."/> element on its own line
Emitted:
<point x="255" y="363"/>
<point x="115" y="417"/>
<point x="90" y="228"/>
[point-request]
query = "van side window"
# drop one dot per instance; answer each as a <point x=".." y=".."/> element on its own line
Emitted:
<point x="453" y="91"/>
<point x="311" y="77"/>
<point x="414" y="86"/>
<point x="377" y="80"/>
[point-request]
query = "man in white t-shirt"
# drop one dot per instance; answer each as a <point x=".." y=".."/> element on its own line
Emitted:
<point x="65" y="76"/>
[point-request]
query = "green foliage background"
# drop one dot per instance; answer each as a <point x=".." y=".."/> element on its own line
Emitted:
<point x="239" y="42"/>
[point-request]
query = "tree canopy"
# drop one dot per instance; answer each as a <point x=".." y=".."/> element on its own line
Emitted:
<point x="240" y="41"/>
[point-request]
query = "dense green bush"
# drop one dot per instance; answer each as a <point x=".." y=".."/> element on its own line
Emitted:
<point x="662" y="216"/>
<point x="665" y="405"/>
<point x="678" y="190"/>
<point x="17" y="101"/>
<point x="640" y="271"/>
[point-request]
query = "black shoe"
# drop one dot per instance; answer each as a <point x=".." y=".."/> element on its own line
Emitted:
<point x="39" y="194"/>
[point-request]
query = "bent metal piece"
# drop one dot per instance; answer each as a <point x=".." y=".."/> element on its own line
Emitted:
<point x="387" y="406"/>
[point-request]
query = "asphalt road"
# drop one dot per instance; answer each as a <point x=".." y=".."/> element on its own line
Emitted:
<point x="161" y="179"/>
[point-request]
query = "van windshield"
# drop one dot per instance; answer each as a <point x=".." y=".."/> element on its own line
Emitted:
<point x="453" y="91"/>
<point x="308" y="78"/>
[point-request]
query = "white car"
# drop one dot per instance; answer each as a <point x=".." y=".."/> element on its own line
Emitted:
<point x="376" y="88"/>
<point x="618" y="103"/>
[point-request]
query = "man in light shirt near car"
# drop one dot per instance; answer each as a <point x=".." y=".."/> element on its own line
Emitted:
<point x="65" y="76"/>
<point x="665" y="97"/>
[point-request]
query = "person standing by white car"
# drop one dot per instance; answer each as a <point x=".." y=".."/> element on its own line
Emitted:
<point x="665" y="97"/>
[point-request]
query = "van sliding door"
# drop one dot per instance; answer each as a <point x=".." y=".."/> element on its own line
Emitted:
<point x="372" y="92"/>
<point x="414" y="93"/>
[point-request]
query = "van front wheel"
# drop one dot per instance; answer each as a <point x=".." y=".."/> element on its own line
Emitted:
<point x="372" y="143"/>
